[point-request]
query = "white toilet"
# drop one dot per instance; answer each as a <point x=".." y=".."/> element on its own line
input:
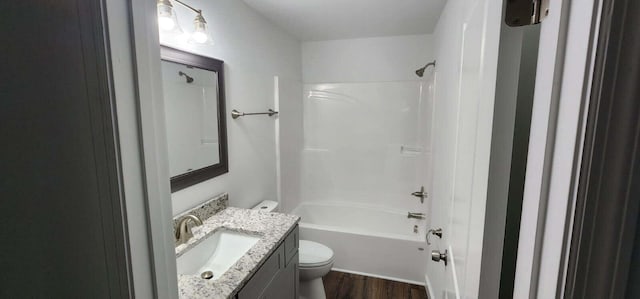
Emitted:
<point x="316" y="261"/>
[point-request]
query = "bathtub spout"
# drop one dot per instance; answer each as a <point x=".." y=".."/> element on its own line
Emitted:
<point x="415" y="215"/>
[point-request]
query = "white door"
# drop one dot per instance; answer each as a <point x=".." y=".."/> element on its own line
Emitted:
<point x="462" y="142"/>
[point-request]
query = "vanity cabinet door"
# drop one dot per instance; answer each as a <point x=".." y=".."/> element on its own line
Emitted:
<point x="256" y="286"/>
<point x="278" y="277"/>
<point x="291" y="244"/>
<point x="285" y="285"/>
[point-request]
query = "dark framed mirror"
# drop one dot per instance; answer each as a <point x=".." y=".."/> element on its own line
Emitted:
<point x="194" y="102"/>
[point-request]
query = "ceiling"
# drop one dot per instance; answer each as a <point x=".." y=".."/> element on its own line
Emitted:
<point x="312" y="20"/>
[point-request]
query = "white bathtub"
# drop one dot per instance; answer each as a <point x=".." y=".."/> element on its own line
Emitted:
<point x="367" y="240"/>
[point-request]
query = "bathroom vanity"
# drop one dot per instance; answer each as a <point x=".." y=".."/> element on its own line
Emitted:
<point x="261" y="249"/>
<point x="231" y="253"/>
<point x="278" y="275"/>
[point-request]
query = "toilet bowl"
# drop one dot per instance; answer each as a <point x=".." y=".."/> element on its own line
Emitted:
<point x="316" y="261"/>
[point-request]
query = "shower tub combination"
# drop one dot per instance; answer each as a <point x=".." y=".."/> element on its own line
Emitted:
<point x="367" y="240"/>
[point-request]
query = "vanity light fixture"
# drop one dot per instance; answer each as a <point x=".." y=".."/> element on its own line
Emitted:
<point x="168" y="21"/>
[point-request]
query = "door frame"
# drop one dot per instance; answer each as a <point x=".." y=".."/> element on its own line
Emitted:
<point x="102" y="106"/>
<point x="565" y="66"/>
<point x="148" y="148"/>
<point x="608" y="202"/>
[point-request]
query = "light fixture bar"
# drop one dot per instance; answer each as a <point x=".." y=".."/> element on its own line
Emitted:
<point x="198" y="11"/>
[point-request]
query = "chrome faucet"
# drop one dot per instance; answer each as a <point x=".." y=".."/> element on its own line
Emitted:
<point x="183" y="231"/>
<point x="415" y="215"/>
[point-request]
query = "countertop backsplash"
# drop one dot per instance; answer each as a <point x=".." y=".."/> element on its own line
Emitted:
<point x="205" y="210"/>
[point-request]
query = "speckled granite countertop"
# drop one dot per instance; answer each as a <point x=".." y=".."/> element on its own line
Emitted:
<point x="271" y="227"/>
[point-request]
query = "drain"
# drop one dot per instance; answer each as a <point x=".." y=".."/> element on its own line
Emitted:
<point x="206" y="275"/>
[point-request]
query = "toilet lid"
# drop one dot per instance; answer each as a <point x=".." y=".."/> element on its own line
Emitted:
<point x="312" y="253"/>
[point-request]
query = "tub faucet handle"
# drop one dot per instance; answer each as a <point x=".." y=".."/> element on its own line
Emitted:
<point x="436" y="232"/>
<point x="420" y="194"/>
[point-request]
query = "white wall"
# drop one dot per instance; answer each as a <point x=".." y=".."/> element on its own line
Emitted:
<point x="291" y="142"/>
<point x="392" y="58"/>
<point x="362" y="103"/>
<point x="254" y="51"/>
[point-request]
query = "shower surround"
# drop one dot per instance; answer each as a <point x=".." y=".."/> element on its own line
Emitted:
<point x="366" y="149"/>
<point x="366" y="143"/>
<point x="363" y="146"/>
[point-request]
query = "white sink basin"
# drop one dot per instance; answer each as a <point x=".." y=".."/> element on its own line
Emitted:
<point x="217" y="253"/>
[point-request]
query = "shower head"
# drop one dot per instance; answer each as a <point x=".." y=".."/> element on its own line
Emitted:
<point x="420" y="71"/>
<point x="189" y="78"/>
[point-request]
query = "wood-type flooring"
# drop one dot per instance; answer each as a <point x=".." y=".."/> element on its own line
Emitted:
<point x="340" y="285"/>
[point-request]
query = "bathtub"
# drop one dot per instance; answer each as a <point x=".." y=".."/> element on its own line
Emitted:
<point x="368" y="240"/>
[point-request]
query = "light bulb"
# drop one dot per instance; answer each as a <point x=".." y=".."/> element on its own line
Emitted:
<point x="166" y="23"/>
<point x="199" y="37"/>
<point x="167" y="20"/>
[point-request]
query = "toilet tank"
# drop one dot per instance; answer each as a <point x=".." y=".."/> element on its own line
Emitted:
<point x="267" y="206"/>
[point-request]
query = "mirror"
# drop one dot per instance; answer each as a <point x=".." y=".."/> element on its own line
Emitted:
<point x="193" y="88"/>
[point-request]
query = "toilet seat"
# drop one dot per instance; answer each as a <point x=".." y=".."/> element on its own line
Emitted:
<point x="313" y="254"/>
